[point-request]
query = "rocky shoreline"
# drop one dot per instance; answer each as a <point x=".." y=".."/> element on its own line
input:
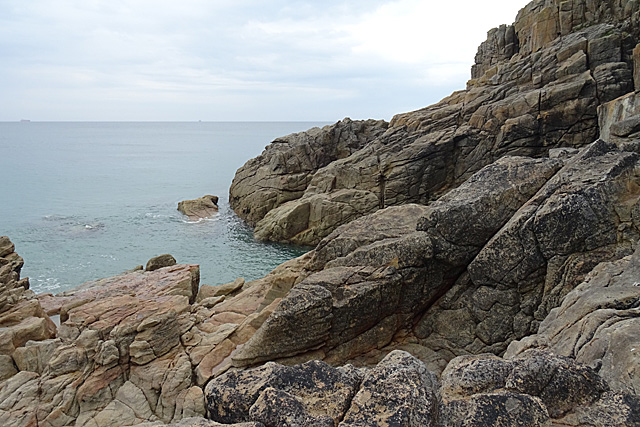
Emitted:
<point x="475" y="263"/>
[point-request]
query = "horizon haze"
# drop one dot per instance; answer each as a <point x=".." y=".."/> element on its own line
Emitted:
<point x="204" y="60"/>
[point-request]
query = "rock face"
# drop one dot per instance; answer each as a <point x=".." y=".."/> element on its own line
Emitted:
<point x="204" y="207"/>
<point x="597" y="323"/>
<point x="509" y="243"/>
<point x="536" y="85"/>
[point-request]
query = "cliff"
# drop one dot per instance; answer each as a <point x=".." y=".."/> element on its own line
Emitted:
<point x="475" y="264"/>
<point x="536" y="86"/>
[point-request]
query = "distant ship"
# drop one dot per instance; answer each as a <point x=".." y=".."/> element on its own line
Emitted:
<point x="25" y="120"/>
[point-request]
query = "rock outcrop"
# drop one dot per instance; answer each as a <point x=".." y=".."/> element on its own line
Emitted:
<point x="536" y="85"/>
<point x="132" y="348"/>
<point x="598" y="324"/>
<point x="203" y="207"/>
<point x="22" y="318"/>
<point x="509" y="243"/>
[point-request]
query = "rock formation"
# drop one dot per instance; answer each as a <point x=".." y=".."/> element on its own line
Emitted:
<point x="132" y="348"/>
<point x="536" y="85"/>
<point x="476" y="264"/>
<point x="203" y="207"/>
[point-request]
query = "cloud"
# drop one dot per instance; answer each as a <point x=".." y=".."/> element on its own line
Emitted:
<point x="241" y="60"/>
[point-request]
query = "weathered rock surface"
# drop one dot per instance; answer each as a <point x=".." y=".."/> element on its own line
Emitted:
<point x="536" y="85"/>
<point x="396" y="276"/>
<point x="537" y="388"/>
<point x="133" y="348"/>
<point x="203" y="207"/>
<point x="509" y="243"/>
<point x="399" y="391"/>
<point x="598" y="324"/>
<point x="285" y="168"/>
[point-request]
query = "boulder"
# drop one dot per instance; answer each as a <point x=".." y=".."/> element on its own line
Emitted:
<point x="398" y="391"/>
<point x="313" y="393"/>
<point x="160" y="261"/>
<point x="532" y="389"/>
<point x="203" y="207"/>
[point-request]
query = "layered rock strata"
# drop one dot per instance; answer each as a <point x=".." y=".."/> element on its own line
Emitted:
<point x="536" y="85"/>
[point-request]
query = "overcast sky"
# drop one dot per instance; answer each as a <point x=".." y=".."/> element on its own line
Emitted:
<point x="240" y="60"/>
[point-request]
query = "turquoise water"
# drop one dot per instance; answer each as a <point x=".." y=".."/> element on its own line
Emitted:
<point x="83" y="201"/>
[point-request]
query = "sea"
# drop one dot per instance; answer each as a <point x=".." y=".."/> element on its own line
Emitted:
<point x="87" y="200"/>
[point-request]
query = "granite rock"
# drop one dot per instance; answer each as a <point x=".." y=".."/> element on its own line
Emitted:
<point x="203" y="207"/>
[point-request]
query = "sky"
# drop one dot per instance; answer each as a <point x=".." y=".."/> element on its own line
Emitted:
<point x="240" y="60"/>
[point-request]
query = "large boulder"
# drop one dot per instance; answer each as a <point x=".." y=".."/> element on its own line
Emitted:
<point x="399" y="391"/>
<point x="534" y="389"/>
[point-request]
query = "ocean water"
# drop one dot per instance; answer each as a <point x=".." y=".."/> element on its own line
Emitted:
<point x="85" y="200"/>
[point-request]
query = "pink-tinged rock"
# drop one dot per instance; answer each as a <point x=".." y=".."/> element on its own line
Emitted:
<point x="177" y="280"/>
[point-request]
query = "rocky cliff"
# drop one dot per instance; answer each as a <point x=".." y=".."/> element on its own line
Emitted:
<point x="476" y="264"/>
<point x="536" y="86"/>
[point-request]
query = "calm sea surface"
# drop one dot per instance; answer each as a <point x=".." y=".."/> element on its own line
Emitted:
<point x="83" y="201"/>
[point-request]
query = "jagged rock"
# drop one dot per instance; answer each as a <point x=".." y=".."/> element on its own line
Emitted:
<point x="22" y="318"/>
<point x="283" y="171"/>
<point x="530" y="390"/>
<point x="487" y="242"/>
<point x="542" y="253"/>
<point x="536" y="86"/>
<point x="537" y="388"/>
<point x="399" y="276"/>
<point x="203" y="207"/>
<point x="160" y="261"/>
